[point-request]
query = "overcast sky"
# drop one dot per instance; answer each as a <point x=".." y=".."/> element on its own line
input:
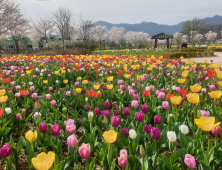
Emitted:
<point x="168" y="12"/>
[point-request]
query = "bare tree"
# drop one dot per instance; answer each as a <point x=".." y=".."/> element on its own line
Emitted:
<point x="10" y="16"/>
<point x="64" y="24"/>
<point x="42" y="28"/>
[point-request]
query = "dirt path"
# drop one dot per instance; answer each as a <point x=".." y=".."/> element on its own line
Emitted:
<point x="217" y="58"/>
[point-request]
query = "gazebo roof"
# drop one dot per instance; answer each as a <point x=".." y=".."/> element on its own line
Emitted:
<point x="161" y="36"/>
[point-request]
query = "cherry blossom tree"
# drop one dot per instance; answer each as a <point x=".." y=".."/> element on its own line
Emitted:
<point x="100" y="33"/>
<point x="10" y="16"/>
<point x="198" y="38"/>
<point x="177" y="38"/>
<point x="42" y="28"/>
<point x="116" y="34"/>
<point x="211" y="36"/>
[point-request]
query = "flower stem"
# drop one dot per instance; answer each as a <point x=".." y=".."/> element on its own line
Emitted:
<point x="155" y="145"/>
<point x="208" y="149"/>
<point x="194" y="117"/>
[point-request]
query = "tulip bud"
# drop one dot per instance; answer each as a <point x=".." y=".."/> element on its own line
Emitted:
<point x="217" y="130"/>
<point x="64" y="109"/>
<point x="90" y="116"/>
<point x="105" y="120"/>
<point x="142" y="151"/>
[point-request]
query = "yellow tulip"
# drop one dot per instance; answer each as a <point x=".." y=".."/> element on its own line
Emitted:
<point x="65" y="81"/>
<point x="110" y="78"/>
<point x="193" y="98"/>
<point x="181" y="81"/>
<point x="176" y="100"/>
<point x="31" y="136"/>
<point x="193" y="66"/>
<point x="149" y="68"/>
<point x="220" y="83"/>
<point x="3" y="99"/>
<point x="109" y="86"/>
<point x="2" y="92"/>
<point x="28" y="71"/>
<point x="110" y="136"/>
<point x="79" y="78"/>
<point x="85" y="82"/>
<point x="215" y="94"/>
<point x="43" y="161"/>
<point x="204" y="65"/>
<point x="63" y="71"/>
<point x="127" y="76"/>
<point x="185" y="73"/>
<point x="96" y="86"/>
<point x="56" y="72"/>
<point x="45" y="81"/>
<point x="186" y="67"/>
<point x="219" y="74"/>
<point x="195" y="88"/>
<point x="206" y="123"/>
<point x="139" y="77"/>
<point x="78" y="90"/>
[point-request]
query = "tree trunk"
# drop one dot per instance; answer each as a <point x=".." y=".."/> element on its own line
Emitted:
<point x="17" y="46"/>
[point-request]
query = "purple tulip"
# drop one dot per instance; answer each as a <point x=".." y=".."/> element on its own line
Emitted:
<point x="87" y="107"/>
<point x="144" y="108"/>
<point x="42" y="127"/>
<point x="139" y="116"/>
<point x="157" y="119"/>
<point x="5" y="151"/>
<point x="96" y="111"/>
<point x="147" y="128"/>
<point x="105" y="113"/>
<point x="155" y="133"/>
<point x="55" y="130"/>
<point x="115" y="121"/>
<point x="107" y="104"/>
<point x="126" y="111"/>
<point x="125" y="131"/>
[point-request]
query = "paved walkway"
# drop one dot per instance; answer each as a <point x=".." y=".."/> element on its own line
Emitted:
<point x="217" y="58"/>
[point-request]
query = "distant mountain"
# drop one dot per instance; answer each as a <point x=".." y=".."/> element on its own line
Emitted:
<point x="154" y="28"/>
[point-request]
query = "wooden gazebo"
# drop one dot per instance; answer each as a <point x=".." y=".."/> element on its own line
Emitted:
<point x="162" y="36"/>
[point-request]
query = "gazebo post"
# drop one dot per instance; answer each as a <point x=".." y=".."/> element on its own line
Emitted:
<point x="155" y="44"/>
<point x="168" y="44"/>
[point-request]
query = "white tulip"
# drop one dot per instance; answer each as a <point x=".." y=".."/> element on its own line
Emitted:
<point x="174" y="87"/>
<point x="203" y="90"/>
<point x="30" y="83"/>
<point x="147" y="88"/>
<point x="133" y="84"/>
<point x="41" y="74"/>
<point x="42" y="71"/>
<point x="184" y="129"/>
<point x="8" y="110"/>
<point x="57" y="81"/>
<point x="132" y="134"/>
<point x="27" y="68"/>
<point x="171" y="136"/>
<point x="86" y="99"/>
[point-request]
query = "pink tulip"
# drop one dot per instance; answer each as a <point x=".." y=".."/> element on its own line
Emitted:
<point x="165" y="105"/>
<point x="48" y="96"/>
<point x="53" y="103"/>
<point x="84" y="151"/>
<point x="120" y="82"/>
<point x="34" y="95"/>
<point x="12" y="83"/>
<point x="69" y="122"/>
<point x="71" y="128"/>
<point x="134" y="104"/>
<point x="122" y="161"/>
<point x="204" y="113"/>
<point x="77" y="83"/>
<point x="17" y="94"/>
<point x="217" y="130"/>
<point x="36" y="114"/>
<point x="32" y="88"/>
<point x="23" y="110"/>
<point x="19" y="87"/>
<point x="161" y="95"/>
<point x="190" y="161"/>
<point x="131" y="91"/>
<point x="68" y="93"/>
<point x="19" y="116"/>
<point x="72" y="141"/>
<point x="124" y="152"/>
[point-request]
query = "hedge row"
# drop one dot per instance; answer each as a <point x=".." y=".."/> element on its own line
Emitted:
<point x="191" y="54"/>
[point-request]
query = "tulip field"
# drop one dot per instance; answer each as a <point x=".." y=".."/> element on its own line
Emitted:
<point x="92" y="112"/>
